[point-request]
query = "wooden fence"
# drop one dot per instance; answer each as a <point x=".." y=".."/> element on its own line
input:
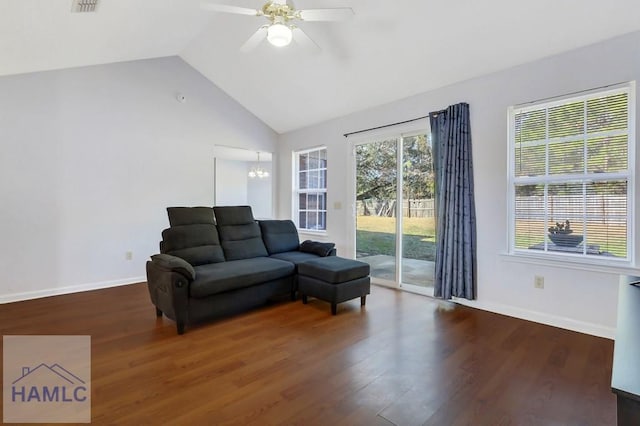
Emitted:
<point x="604" y="208"/>
<point x="607" y="208"/>
<point x="387" y="207"/>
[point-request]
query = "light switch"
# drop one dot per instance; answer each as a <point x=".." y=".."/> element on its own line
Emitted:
<point x="337" y="205"/>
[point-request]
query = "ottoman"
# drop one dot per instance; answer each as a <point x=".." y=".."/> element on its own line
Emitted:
<point x="334" y="279"/>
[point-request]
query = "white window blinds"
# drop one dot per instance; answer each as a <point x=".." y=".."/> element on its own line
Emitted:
<point x="570" y="175"/>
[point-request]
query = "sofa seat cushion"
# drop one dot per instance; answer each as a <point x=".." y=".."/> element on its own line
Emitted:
<point x="295" y="257"/>
<point x="225" y="276"/>
<point x="334" y="269"/>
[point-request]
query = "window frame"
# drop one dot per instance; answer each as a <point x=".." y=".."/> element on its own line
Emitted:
<point x="297" y="190"/>
<point x="558" y="257"/>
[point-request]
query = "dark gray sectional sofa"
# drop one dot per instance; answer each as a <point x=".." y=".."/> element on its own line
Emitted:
<point x="218" y="261"/>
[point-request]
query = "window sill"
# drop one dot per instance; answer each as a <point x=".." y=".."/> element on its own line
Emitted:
<point x="595" y="265"/>
<point x="322" y="235"/>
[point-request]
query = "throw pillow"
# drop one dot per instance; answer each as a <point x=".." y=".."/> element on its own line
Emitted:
<point x="316" y="247"/>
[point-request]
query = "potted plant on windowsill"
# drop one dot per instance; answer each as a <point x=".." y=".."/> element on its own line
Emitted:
<point x="562" y="235"/>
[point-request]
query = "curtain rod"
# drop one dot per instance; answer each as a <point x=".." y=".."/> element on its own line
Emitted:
<point x="382" y="127"/>
<point x="577" y="92"/>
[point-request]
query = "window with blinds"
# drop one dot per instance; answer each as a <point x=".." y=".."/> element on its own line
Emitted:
<point x="571" y="174"/>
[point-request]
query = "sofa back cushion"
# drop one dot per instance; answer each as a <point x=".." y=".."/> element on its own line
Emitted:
<point x="192" y="236"/>
<point x="179" y="216"/>
<point x="233" y="215"/>
<point x="240" y="235"/>
<point x="279" y="236"/>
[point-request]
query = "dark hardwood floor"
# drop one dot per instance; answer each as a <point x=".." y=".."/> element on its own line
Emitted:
<point x="403" y="359"/>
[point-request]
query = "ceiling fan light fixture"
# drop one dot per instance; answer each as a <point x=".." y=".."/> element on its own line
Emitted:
<point x="279" y="35"/>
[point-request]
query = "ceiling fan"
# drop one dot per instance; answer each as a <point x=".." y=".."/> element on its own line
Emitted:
<point x="281" y="16"/>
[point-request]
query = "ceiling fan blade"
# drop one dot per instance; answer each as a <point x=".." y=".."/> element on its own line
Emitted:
<point x="225" y="8"/>
<point x="304" y="40"/>
<point x="254" y="40"/>
<point x="336" y="14"/>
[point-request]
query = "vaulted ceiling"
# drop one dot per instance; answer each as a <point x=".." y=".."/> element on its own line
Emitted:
<point x="388" y="51"/>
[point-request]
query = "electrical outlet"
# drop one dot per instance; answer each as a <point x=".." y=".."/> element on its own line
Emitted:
<point x="128" y="255"/>
<point x="538" y="282"/>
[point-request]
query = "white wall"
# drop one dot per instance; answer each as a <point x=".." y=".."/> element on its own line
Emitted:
<point x="231" y="182"/>
<point x="91" y="157"/>
<point x="260" y="191"/>
<point x="235" y="188"/>
<point x="575" y="299"/>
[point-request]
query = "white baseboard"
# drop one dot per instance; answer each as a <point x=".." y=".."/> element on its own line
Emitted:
<point x="37" y="294"/>
<point x="541" y="317"/>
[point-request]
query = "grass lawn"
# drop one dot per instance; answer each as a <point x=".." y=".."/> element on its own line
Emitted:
<point x="376" y="235"/>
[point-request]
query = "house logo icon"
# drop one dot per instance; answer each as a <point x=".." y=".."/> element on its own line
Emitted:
<point x="48" y="383"/>
<point x="46" y="379"/>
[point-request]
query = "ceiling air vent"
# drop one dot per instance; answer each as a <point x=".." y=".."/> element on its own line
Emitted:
<point x="80" y="6"/>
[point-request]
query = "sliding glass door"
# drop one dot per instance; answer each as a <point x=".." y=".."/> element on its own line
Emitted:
<point x="395" y="224"/>
<point x="418" y="215"/>
<point x="376" y="204"/>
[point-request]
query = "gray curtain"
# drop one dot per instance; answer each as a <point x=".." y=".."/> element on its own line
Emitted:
<point x="455" y="273"/>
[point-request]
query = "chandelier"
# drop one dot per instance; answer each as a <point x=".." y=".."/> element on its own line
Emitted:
<point x="257" y="171"/>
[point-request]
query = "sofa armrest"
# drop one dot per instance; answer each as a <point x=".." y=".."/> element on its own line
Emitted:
<point x="174" y="264"/>
<point x="168" y="282"/>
